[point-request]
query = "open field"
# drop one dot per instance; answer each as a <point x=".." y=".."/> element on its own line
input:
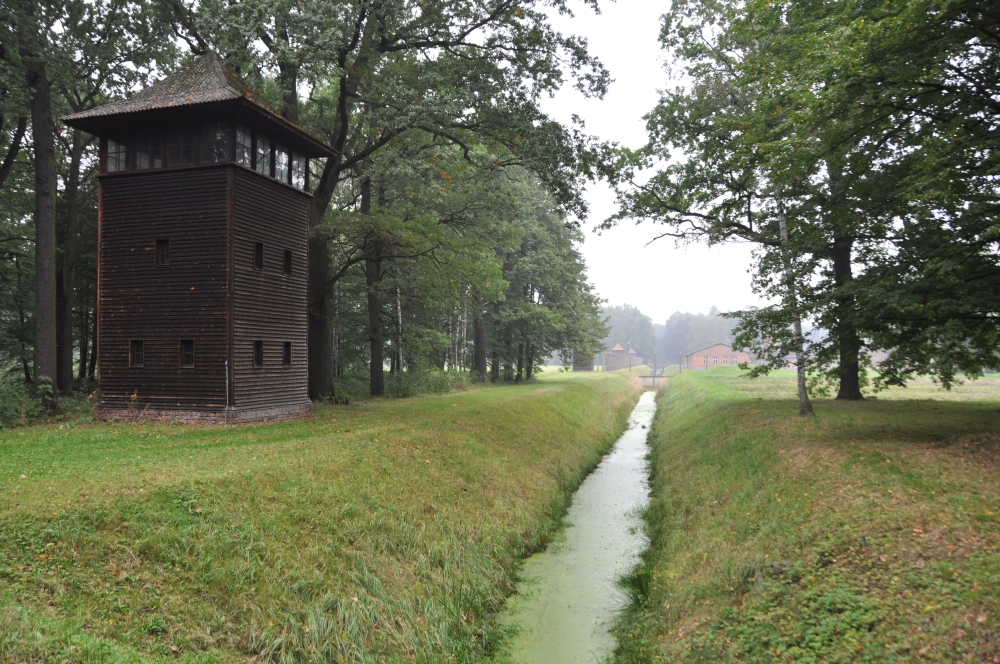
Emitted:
<point x="869" y="534"/>
<point x="781" y="385"/>
<point x="382" y="531"/>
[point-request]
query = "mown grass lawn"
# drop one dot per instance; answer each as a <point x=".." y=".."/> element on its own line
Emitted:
<point x="868" y="534"/>
<point x="378" y="532"/>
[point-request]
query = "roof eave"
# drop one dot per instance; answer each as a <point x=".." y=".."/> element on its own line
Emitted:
<point x="95" y="124"/>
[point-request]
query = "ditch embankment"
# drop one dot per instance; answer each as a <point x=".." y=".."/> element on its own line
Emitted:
<point x="868" y="534"/>
<point x="383" y="531"/>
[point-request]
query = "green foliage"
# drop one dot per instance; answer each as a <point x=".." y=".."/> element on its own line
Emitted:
<point x="407" y="384"/>
<point x="18" y="404"/>
<point x="849" y="142"/>
<point x="629" y="326"/>
<point x="549" y="305"/>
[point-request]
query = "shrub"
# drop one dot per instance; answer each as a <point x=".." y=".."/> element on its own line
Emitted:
<point x="17" y="403"/>
<point x="408" y="384"/>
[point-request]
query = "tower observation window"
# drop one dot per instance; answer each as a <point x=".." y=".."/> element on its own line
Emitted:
<point x="244" y="146"/>
<point x="180" y="147"/>
<point x="149" y="152"/>
<point x="214" y="142"/>
<point x="263" y="154"/>
<point x="118" y="157"/>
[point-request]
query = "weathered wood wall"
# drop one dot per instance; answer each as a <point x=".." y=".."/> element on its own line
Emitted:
<point x="269" y="305"/>
<point x="163" y="304"/>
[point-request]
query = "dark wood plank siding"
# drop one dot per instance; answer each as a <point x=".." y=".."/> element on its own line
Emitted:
<point x="269" y="305"/>
<point x="161" y="305"/>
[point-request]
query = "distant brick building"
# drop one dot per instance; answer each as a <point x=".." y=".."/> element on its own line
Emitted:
<point x="716" y="355"/>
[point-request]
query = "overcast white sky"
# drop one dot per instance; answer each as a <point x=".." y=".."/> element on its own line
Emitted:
<point x="660" y="278"/>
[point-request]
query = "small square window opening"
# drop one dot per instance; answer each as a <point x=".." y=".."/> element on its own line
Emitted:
<point x="286" y="354"/>
<point x="136" y="357"/>
<point x="163" y="252"/>
<point x="187" y="353"/>
<point x="288" y="261"/>
<point x="258" y="255"/>
<point x="258" y="353"/>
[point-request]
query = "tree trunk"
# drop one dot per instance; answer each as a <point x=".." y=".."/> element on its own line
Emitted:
<point x="26" y="365"/>
<point x="65" y="287"/>
<point x="520" y="359"/>
<point x="399" y="332"/>
<point x="84" y="341"/>
<point x="479" y="340"/>
<point x="805" y="405"/>
<point x="529" y="360"/>
<point x="463" y="339"/>
<point x="508" y="367"/>
<point x="373" y="275"/>
<point x="450" y="353"/>
<point x="45" y="230"/>
<point x="13" y="148"/>
<point x="848" y="340"/>
<point x="495" y="368"/>
<point x="373" y="268"/>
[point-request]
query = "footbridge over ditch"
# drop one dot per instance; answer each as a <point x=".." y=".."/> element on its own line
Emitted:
<point x="652" y="382"/>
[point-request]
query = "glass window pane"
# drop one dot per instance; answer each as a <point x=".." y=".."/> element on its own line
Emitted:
<point x="263" y="154"/>
<point x="214" y="142"/>
<point x="148" y="152"/>
<point x="118" y="156"/>
<point x="180" y="147"/>
<point x="280" y="162"/>
<point x="298" y="171"/>
<point x="244" y="146"/>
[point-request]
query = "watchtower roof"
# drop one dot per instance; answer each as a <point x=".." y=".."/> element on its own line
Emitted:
<point x="205" y="83"/>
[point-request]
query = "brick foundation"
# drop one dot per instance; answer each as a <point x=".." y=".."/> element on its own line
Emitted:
<point x="234" y="416"/>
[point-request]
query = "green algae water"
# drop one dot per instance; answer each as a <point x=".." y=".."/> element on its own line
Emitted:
<point x="569" y="596"/>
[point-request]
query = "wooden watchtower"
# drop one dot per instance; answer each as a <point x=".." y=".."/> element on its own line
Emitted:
<point x="203" y="222"/>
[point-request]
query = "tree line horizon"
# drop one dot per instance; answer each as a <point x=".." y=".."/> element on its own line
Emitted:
<point x="853" y="144"/>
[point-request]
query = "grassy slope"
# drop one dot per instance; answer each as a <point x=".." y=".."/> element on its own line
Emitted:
<point x="870" y="534"/>
<point x="383" y="531"/>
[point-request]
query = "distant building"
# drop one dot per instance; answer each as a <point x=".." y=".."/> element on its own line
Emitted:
<point x="619" y="358"/>
<point x="716" y="355"/>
